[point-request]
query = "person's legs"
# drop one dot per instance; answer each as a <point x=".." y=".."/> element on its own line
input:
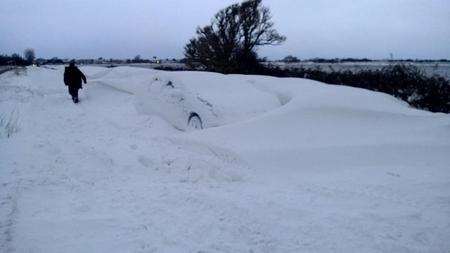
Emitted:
<point x="70" y="91"/>
<point x="73" y="91"/>
<point x="75" y="95"/>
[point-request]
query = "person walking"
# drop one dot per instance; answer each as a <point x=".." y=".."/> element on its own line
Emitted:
<point x="72" y="78"/>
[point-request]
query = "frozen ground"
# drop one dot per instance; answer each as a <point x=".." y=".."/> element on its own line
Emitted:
<point x="332" y="169"/>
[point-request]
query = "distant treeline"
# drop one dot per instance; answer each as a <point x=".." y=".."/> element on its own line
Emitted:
<point x="14" y="59"/>
<point x="293" y="59"/>
<point x="18" y="60"/>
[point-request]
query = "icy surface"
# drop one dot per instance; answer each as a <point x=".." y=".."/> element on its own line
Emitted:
<point x="321" y="169"/>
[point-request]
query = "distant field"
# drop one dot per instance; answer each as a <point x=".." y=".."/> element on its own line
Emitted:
<point x="430" y="69"/>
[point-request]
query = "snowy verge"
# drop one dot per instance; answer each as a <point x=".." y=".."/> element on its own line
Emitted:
<point x="305" y="167"/>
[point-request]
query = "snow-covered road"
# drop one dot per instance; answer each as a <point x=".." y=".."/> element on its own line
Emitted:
<point x="359" y="172"/>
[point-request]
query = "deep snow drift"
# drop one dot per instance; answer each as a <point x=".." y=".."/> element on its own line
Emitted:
<point x="310" y="168"/>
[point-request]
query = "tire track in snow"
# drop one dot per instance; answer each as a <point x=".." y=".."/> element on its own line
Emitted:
<point x="10" y="211"/>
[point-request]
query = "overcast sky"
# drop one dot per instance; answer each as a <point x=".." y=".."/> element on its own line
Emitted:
<point x="314" y="28"/>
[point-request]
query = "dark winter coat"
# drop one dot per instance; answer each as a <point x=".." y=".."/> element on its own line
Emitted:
<point x="73" y="77"/>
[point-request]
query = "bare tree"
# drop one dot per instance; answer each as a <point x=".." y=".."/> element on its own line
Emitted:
<point x="257" y="27"/>
<point x="216" y="44"/>
<point x="29" y="55"/>
<point x="229" y="43"/>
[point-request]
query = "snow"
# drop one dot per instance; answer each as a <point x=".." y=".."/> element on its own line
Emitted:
<point x="315" y="168"/>
<point x="218" y="99"/>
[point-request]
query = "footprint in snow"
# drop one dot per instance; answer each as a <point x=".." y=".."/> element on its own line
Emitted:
<point x="392" y="174"/>
<point x="145" y="161"/>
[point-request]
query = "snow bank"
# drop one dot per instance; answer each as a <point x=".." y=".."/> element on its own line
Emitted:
<point x="295" y="166"/>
